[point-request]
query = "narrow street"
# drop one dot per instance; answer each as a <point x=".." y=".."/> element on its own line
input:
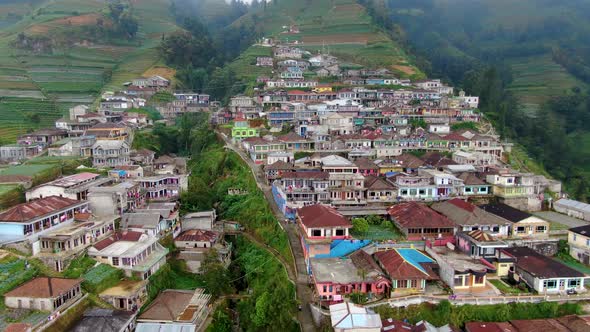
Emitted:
<point x="300" y="277"/>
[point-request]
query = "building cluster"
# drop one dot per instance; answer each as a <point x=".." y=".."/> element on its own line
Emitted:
<point x="454" y="242"/>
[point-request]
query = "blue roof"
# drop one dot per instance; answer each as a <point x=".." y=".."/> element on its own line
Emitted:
<point x="341" y="248"/>
<point x="414" y="257"/>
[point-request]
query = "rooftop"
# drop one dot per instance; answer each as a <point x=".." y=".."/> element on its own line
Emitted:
<point x="465" y="213"/>
<point x="314" y="216"/>
<point x="175" y="306"/>
<point x="540" y="266"/>
<point x="198" y="235"/>
<point x="104" y="320"/>
<point x="505" y="211"/>
<point x="43" y="287"/>
<point x="335" y="270"/>
<point x="124" y="288"/>
<point x="415" y="215"/>
<point x="405" y="264"/>
<point x="349" y="316"/>
<point x="72" y="180"/>
<point x="460" y="262"/>
<point x="34" y="209"/>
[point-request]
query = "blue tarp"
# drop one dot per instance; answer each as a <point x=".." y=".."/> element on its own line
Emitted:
<point x="341" y="248"/>
<point x="414" y="257"/>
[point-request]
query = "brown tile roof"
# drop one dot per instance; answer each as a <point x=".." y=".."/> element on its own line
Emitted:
<point x="575" y="323"/>
<point x="436" y="159"/>
<point x="398" y="268"/>
<point x="363" y="261"/>
<point x="481" y="236"/>
<point x="465" y="213"/>
<point x="365" y="163"/>
<point x="198" y="235"/>
<point x="118" y="236"/>
<point x="168" y="305"/>
<point x="318" y="215"/>
<point x="537" y="325"/>
<point x="18" y="327"/>
<point x="415" y="215"/>
<point x="27" y="211"/>
<point x="489" y="327"/>
<point x="455" y="137"/>
<point x="164" y="160"/>
<point x="375" y="183"/>
<point x="409" y="161"/>
<point x="307" y="175"/>
<point x="391" y="325"/>
<point x="540" y="266"/>
<point x="291" y="137"/>
<point x="43" y="287"/>
<point x="471" y="179"/>
<point x="280" y="165"/>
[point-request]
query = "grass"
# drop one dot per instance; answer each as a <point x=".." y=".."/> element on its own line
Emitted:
<point x="555" y="226"/>
<point x="574" y="264"/>
<point x="538" y="78"/>
<point x="505" y="288"/>
<point x="13" y="272"/>
<point x="29" y="170"/>
<point x="379" y="233"/>
<point x="520" y="160"/>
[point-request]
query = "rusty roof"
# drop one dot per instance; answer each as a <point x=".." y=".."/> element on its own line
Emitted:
<point x="398" y="268"/>
<point x="43" y="287"/>
<point x="199" y="235"/>
<point x="118" y="236"/>
<point x="415" y="215"/>
<point x="318" y="215"/>
<point x="34" y="209"/>
<point x="319" y="175"/>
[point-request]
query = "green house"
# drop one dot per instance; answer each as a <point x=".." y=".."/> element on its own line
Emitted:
<point x="242" y="129"/>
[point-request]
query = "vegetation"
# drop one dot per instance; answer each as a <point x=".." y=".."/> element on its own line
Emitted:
<point x="507" y="289"/>
<point x="445" y="313"/>
<point x="13" y="272"/>
<point x="101" y="277"/>
<point x="215" y="276"/>
<point x="78" y="267"/>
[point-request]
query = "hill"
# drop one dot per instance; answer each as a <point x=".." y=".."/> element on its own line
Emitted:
<point x="57" y="53"/>
<point x="341" y="27"/>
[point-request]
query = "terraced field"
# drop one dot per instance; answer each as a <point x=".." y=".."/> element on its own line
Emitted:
<point x="47" y="84"/>
<point x="341" y="27"/>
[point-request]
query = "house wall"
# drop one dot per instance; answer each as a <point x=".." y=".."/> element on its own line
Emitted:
<point x="46" y="191"/>
<point x="502" y="269"/>
<point x="43" y="304"/>
<point x="193" y="244"/>
<point x="531" y="228"/>
<point x="579" y="247"/>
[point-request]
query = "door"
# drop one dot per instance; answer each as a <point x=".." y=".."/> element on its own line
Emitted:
<point x="121" y="303"/>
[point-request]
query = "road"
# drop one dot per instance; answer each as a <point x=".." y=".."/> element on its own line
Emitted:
<point x="299" y="276"/>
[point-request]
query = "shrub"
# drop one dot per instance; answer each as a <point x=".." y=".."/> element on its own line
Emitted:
<point x="101" y="277"/>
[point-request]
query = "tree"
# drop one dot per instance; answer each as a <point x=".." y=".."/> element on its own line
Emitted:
<point x="215" y="275"/>
<point x="360" y="225"/>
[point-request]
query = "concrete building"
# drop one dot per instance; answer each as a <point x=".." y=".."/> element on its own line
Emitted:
<point x="74" y="187"/>
<point x="45" y="294"/>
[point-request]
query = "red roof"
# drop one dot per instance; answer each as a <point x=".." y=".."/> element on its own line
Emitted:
<point x="44" y="287"/>
<point x="462" y="204"/>
<point x="489" y="327"/>
<point x="398" y="268"/>
<point x="119" y="236"/>
<point x="415" y="215"/>
<point x="198" y="235"/>
<point x="391" y="325"/>
<point x="291" y="137"/>
<point x="314" y="216"/>
<point x="27" y="211"/>
<point x="18" y="327"/>
<point x="306" y="175"/>
<point x="455" y="137"/>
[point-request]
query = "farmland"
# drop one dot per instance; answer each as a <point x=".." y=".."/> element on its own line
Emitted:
<point x="341" y="27"/>
<point x="47" y="83"/>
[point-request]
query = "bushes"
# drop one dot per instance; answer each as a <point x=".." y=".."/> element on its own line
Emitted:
<point x="445" y="313"/>
<point x="13" y="272"/>
<point x="66" y="321"/>
<point x="101" y="277"/>
<point x="79" y="266"/>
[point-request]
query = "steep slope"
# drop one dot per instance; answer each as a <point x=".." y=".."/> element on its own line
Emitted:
<point x="341" y="27"/>
<point x="64" y="57"/>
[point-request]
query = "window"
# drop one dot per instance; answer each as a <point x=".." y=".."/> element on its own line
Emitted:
<point x="116" y="261"/>
<point x="402" y="284"/>
<point x="573" y="283"/>
<point x="520" y="229"/>
<point x="316" y="232"/>
<point x="458" y="281"/>
<point x="496" y="229"/>
<point x="325" y="289"/>
<point x="541" y="229"/>
<point x="588" y="242"/>
<point x="550" y="284"/>
<point x="422" y="192"/>
<point x="404" y="191"/>
<point x="467" y="189"/>
<point x="479" y="279"/>
<point x="414" y="283"/>
<point x="339" y="232"/>
<point x="575" y="237"/>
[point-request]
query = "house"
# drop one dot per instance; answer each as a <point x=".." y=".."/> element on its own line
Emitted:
<point x="366" y="167"/>
<point x="473" y="185"/>
<point x="60" y="246"/>
<point x="242" y="129"/>
<point x="155" y="81"/>
<point x="543" y="274"/>
<point x="297" y="189"/>
<point x="106" y="320"/>
<point x="27" y="221"/>
<point x="508" y="184"/>
<point x="419" y="222"/>
<point x="568" y="323"/>
<point x="117" y="131"/>
<point x="19" y="152"/>
<point x="276" y="170"/>
<point x="43" y="137"/>
<point x="148" y="222"/>
<point x="143" y="157"/>
<point x="459" y="271"/>
<point x="264" y="61"/>
<point x="380" y="190"/>
<point x="175" y="310"/>
<point x="110" y="153"/>
<point x="44" y="294"/>
<point x="523" y="224"/>
<point x="573" y="208"/>
<point x="73" y="187"/>
<point x="199" y="220"/>
<point x="475" y="158"/>
<point x="137" y="254"/>
<point x="128" y="295"/>
<point x="123" y="173"/>
<point x="116" y="199"/>
<point x="408" y="270"/>
<point x="334" y="278"/>
<point x="347" y="316"/>
<point x="194" y="244"/>
<point x="469" y="217"/>
<point x="479" y="244"/>
<point x="163" y="187"/>
<point x="578" y="239"/>
<point x="169" y="165"/>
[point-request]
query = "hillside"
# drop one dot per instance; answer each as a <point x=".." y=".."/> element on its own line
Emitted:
<point x="69" y="60"/>
<point x="341" y="27"/>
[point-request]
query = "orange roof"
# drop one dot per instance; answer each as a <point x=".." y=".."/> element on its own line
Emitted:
<point x="44" y="287"/>
<point x="27" y="211"/>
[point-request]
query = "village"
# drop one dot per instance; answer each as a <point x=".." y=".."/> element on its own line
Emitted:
<point x="399" y="191"/>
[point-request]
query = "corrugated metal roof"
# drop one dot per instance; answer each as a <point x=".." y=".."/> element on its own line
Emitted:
<point x="174" y="327"/>
<point x="571" y="204"/>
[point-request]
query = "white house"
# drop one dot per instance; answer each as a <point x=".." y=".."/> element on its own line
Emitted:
<point x="73" y="187"/>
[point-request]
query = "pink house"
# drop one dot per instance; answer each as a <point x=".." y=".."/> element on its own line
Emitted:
<point x="334" y="278"/>
<point x="367" y="167"/>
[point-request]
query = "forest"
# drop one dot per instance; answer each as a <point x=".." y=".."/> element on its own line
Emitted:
<point x="473" y="45"/>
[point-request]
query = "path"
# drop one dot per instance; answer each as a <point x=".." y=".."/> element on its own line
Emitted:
<point x="300" y="276"/>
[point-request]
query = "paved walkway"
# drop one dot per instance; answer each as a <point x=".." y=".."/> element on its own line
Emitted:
<point x="299" y="276"/>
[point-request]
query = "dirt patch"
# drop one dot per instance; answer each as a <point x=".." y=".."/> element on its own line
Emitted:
<point x="354" y="8"/>
<point x="352" y="38"/>
<point x="80" y="20"/>
<point x="404" y="69"/>
<point x="167" y="73"/>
